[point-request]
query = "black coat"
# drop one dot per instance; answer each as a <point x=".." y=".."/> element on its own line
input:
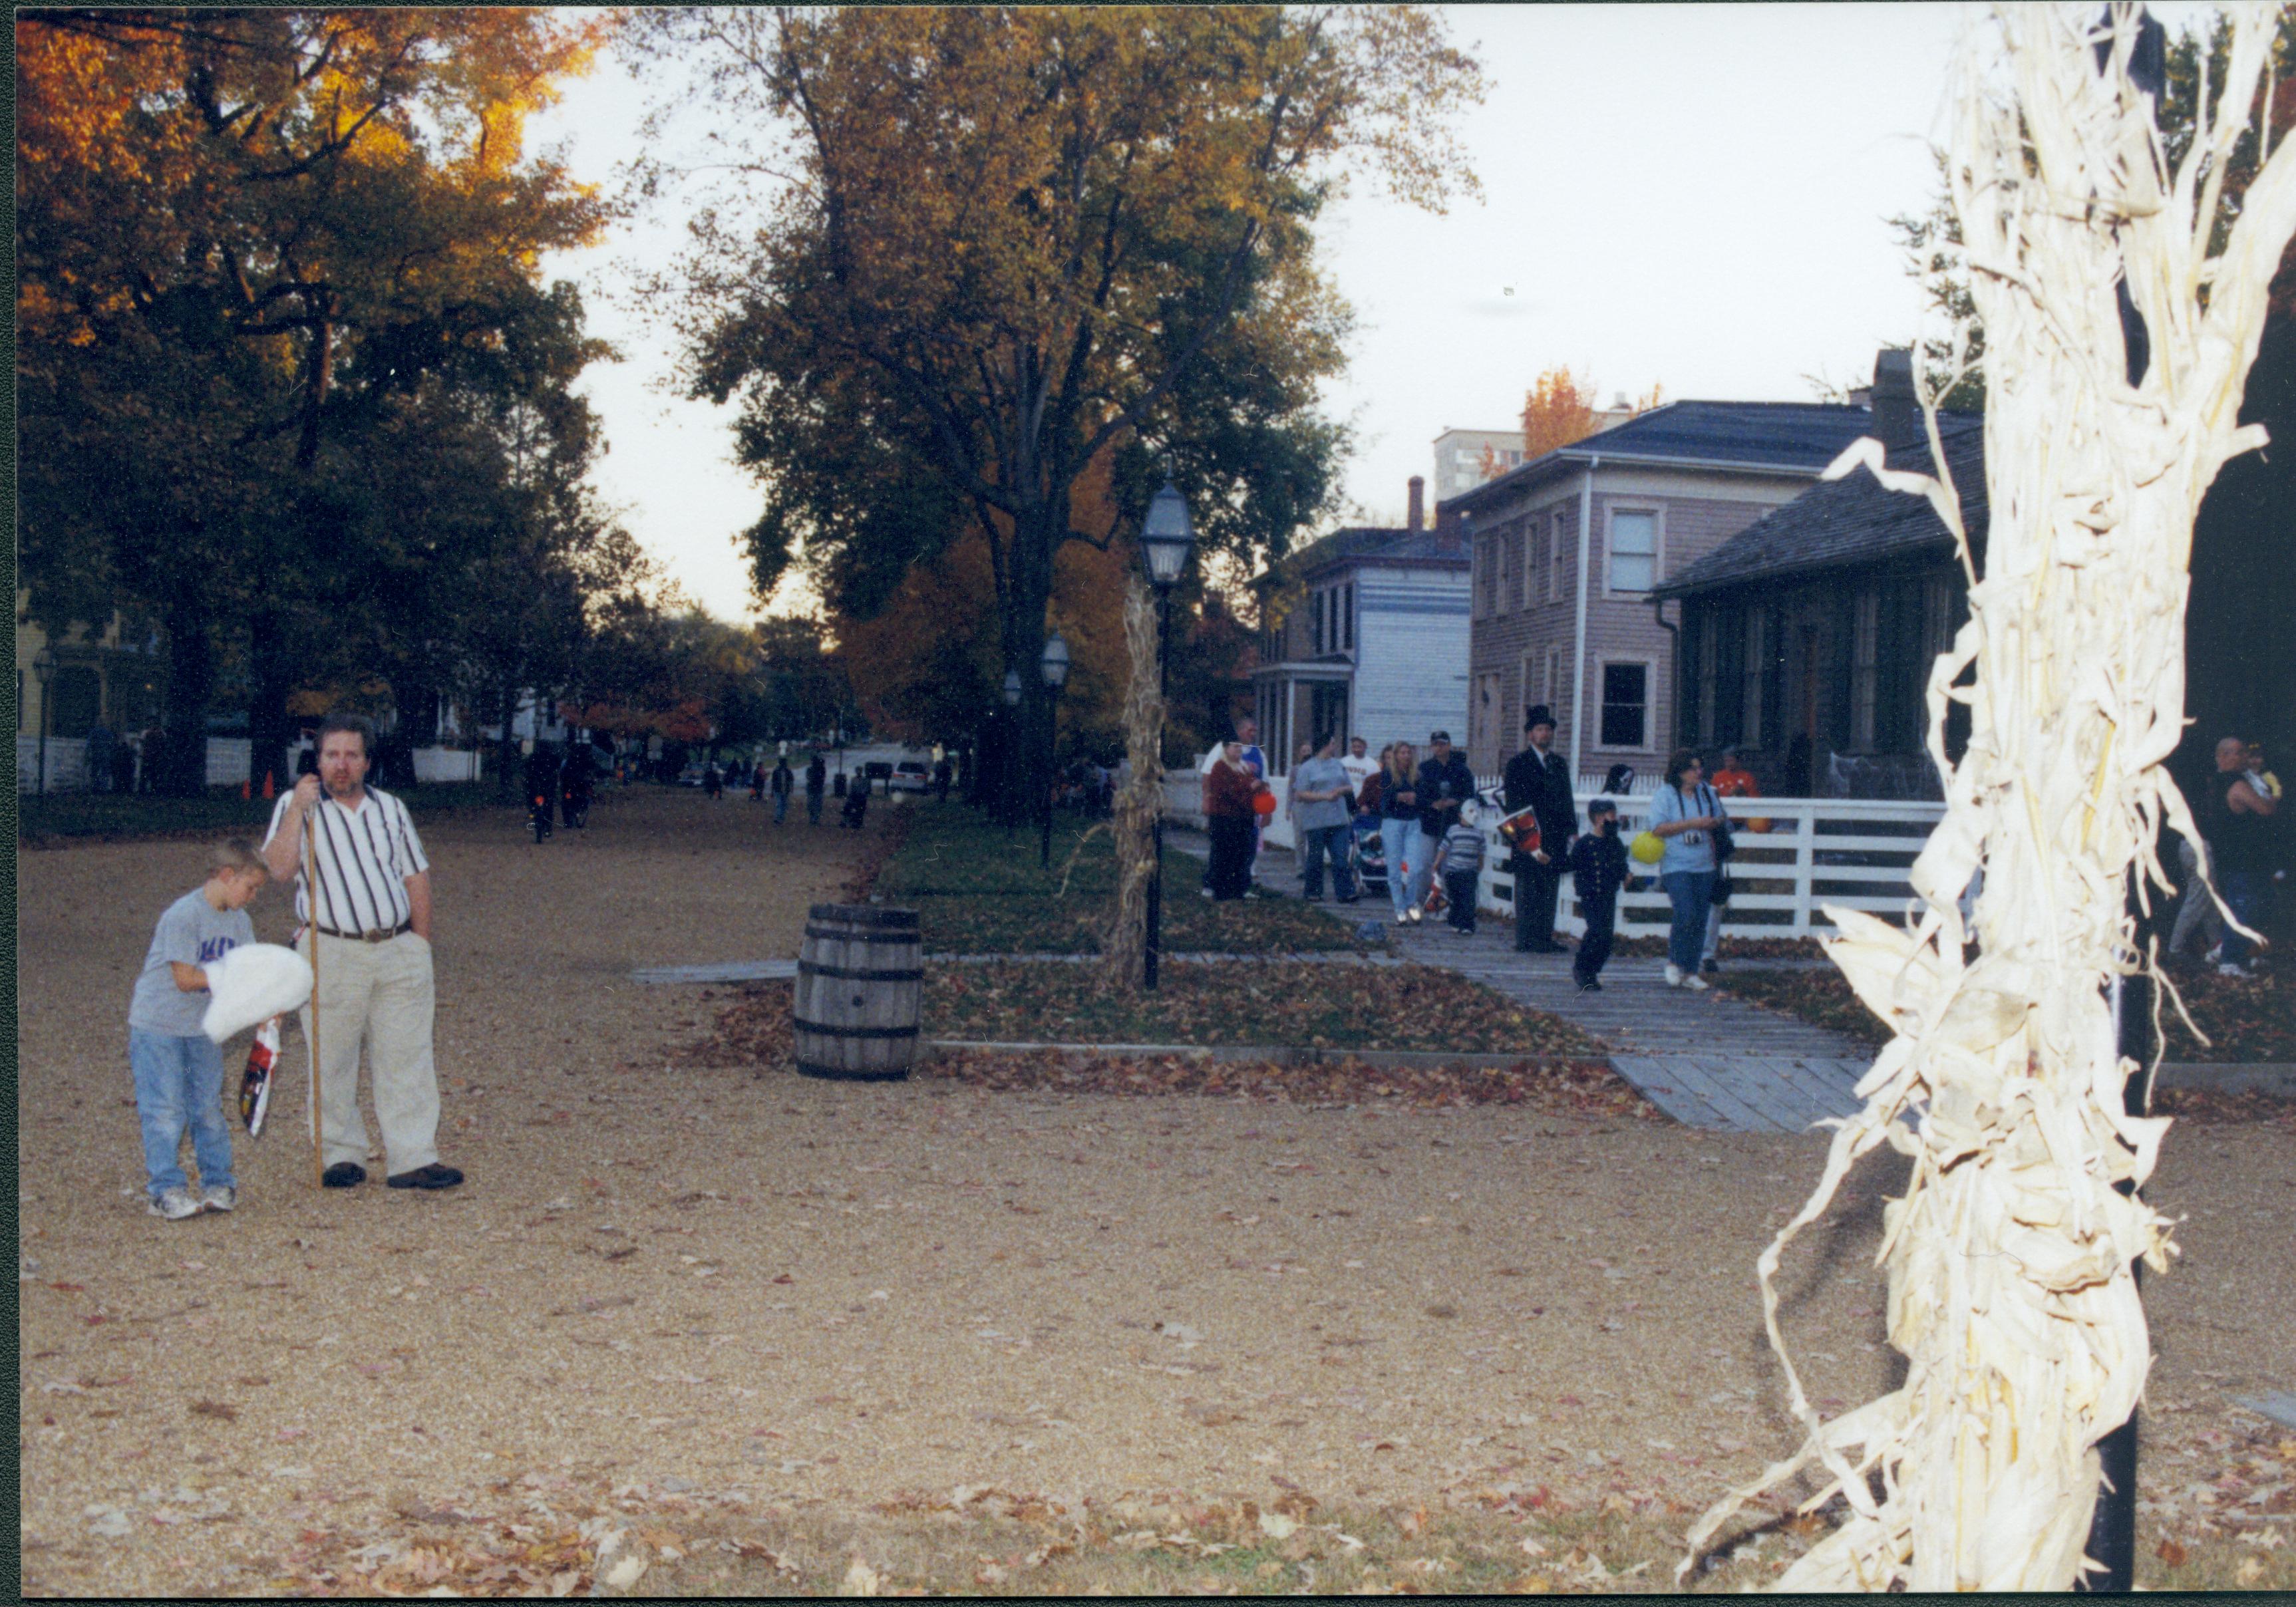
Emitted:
<point x="1544" y="787"/>
<point x="1598" y="867"/>
<point x="1442" y="780"/>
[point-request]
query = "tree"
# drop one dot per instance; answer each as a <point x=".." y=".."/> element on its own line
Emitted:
<point x="237" y="228"/>
<point x="1559" y="411"/>
<point x="1006" y="240"/>
<point x="2012" y="1253"/>
<point x="2195" y="64"/>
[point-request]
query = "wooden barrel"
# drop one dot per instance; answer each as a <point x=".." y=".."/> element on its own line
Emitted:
<point x="860" y="984"/>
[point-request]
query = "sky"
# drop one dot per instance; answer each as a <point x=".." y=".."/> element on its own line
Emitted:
<point x="1690" y="196"/>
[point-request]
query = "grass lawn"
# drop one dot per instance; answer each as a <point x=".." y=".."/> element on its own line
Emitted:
<point x="2249" y="1019"/>
<point x="977" y="889"/>
<point x="122" y="816"/>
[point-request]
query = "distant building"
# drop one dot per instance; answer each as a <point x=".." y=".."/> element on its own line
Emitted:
<point x="1568" y="549"/>
<point x="1466" y="458"/>
<point x="1364" y="632"/>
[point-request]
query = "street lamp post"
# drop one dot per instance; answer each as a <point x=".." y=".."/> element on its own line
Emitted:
<point x="44" y="669"/>
<point x="1166" y="538"/>
<point x="1054" y="668"/>
<point x="1009" y="763"/>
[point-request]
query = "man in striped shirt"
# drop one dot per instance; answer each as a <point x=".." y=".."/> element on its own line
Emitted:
<point x="373" y="915"/>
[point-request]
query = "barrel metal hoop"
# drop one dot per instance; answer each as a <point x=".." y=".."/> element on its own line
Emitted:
<point x="863" y="915"/>
<point x="838" y="934"/>
<point x="827" y="1030"/>
<point x="844" y="1075"/>
<point x="858" y="974"/>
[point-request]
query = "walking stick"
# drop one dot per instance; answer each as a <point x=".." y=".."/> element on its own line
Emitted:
<point x="311" y="880"/>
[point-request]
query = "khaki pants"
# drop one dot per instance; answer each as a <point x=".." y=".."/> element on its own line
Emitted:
<point x="377" y="997"/>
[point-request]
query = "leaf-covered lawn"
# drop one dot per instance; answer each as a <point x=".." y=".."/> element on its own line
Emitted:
<point x="2249" y="1019"/>
<point x="1560" y="1068"/>
<point x="1302" y="1005"/>
<point x="977" y="889"/>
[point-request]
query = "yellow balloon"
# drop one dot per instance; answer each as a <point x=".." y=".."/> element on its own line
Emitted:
<point x="1648" y="848"/>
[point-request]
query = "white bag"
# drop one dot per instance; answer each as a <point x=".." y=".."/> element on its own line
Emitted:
<point x="252" y="983"/>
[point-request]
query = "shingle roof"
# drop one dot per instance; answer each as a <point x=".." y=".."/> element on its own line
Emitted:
<point x="1389" y="543"/>
<point x="1797" y="436"/>
<point x="1851" y="520"/>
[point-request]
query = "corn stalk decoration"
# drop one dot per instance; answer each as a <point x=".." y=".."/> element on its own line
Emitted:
<point x="2011" y="1257"/>
<point x="1141" y="799"/>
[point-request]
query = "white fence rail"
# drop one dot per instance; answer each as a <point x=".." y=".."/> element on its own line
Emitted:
<point x="1852" y="852"/>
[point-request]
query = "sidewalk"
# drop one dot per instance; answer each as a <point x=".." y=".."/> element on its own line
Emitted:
<point x="1707" y="1061"/>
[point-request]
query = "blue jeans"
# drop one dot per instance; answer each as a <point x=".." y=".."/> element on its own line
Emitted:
<point x="179" y="1083"/>
<point x="1401" y="840"/>
<point x="1321" y="843"/>
<point x="781" y="806"/>
<point x="2244" y="894"/>
<point x="1693" y="893"/>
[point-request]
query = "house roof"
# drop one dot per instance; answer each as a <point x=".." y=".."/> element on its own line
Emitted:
<point x="1850" y="520"/>
<point x="1788" y="437"/>
<point x="1370" y="544"/>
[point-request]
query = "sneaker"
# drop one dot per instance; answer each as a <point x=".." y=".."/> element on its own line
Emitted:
<point x="1417" y="915"/>
<point x="219" y="1197"/>
<point x="1590" y="984"/>
<point x="1696" y="984"/>
<point x="1713" y="968"/>
<point x="2228" y="969"/>
<point x="175" y="1204"/>
<point x="1208" y="892"/>
<point x="1673" y="974"/>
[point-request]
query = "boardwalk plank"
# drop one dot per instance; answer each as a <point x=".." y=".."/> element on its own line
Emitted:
<point x="1762" y="1083"/>
<point x="1798" y="1088"/>
<point x="1652" y="1077"/>
<point x="1742" y="1117"/>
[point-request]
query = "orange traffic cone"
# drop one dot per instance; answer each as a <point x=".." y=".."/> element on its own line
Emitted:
<point x="268" y="794"/>
<point x="242" y="790"/>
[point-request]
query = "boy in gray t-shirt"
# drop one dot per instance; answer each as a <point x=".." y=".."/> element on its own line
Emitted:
<point x="178" y="1073"/>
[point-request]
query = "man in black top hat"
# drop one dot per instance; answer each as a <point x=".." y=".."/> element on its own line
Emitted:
<point x="1537" y="778"/>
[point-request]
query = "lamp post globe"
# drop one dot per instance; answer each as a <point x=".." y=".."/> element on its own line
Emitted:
<point x="1055" y="664"/>
<point x="1011" y="689"/>
<point x="1167" y="536"/>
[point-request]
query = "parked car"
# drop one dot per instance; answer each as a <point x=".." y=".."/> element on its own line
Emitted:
<point x="910" y="775"/>
<point x="691" y="775"/>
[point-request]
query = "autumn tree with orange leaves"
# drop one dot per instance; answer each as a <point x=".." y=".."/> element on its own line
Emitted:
<point x="997" y="242"/>
<point x="285" y="356"/>
<point x="1559" y="411"/>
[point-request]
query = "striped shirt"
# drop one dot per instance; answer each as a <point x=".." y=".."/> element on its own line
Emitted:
<point x="365" y="856"/>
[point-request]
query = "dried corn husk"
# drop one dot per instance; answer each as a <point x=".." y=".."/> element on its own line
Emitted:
<point x="1141" y="800"/>
<point x="2011" y="1258"/>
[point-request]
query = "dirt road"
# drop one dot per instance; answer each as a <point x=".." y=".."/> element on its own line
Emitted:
<point x="732" y="1291"/>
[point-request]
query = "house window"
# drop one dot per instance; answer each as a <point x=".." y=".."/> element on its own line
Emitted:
<point x="1865" y="666"/>
<point x="1510" y="584"/>
<point x="1555" y="560"/>
<point x="1550" y="680"/>
<point x="1483" y="718"/>
<point x="1347" y="616"/>
<point x="1754" y="671"/>
<point x="1626" y="705"/>
<point x="1634" y="551"/>
<point x="1937" y="621"/>
<point x="1531" y="566"/>
<point x="1327" y="708"/>
<point x="1316" y="624"/>
<point x="1701" y="719"/>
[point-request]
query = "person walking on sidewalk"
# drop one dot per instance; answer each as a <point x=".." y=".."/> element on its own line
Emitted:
<point x="2237" y="823"/>
<point x="816" y="782"/>
<point x="1228" y="820"/>
<point x="1598" y="870"/>
<point x="1686" y="814"/>
<point x="1538" y="779"/>
<point x="1398" y="830"/>
<point x="781" y="784"/>
<point x="1320" y="796"/>
<point x="1445" y="785"/>
<point x="1461" y="862"/>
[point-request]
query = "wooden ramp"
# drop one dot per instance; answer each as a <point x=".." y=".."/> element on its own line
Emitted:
<point x="1745" y="1095"/>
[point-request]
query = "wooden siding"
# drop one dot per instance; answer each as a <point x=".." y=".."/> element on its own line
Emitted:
<point x="1412" y="640"/>
<point x="1698" y="511"/>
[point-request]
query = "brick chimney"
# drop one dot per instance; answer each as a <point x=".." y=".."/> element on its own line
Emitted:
<point x="1418" y="515"/>
<point x="1450" y="531"/>
<point x="1896" y="410"/>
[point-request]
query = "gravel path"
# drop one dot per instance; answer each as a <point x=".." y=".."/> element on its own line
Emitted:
<point x="742" y="1291"/>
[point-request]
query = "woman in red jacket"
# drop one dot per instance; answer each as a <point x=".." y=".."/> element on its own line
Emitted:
<point x="1228" y="787"/>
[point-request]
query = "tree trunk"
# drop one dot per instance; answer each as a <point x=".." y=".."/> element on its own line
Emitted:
<point x="506" y="765"/>
<point x="181" y="767"/>
<point x="271" y="681"/>
<point x="1142" y="800"/>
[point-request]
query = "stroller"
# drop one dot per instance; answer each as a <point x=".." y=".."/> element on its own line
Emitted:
<point x="1367" y="856"/>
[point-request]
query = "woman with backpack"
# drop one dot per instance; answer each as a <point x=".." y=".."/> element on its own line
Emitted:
<point x="1686" y="816"/>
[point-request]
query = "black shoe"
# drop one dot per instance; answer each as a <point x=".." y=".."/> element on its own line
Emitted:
<point x="1590" y="984"/>
<point x="1711" y="968"/>
<point x="433" y="1175"/>
<point x="343" y="1174"/>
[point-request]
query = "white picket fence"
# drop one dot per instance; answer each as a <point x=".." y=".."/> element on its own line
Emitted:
<point x="1856" y="853"/>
